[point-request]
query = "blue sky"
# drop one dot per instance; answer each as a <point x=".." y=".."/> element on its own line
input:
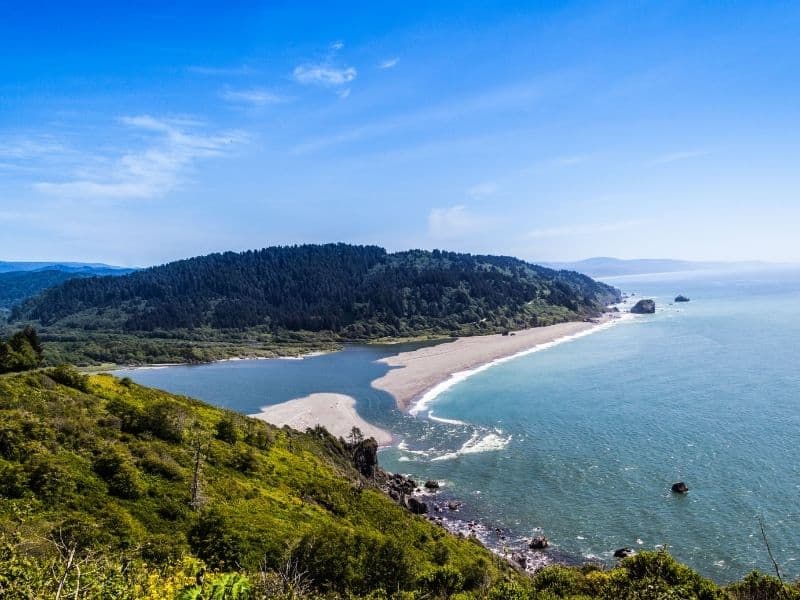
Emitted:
<point x="543" y="130"/>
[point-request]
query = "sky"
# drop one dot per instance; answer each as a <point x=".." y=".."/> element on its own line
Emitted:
<point x="141" y="134"/>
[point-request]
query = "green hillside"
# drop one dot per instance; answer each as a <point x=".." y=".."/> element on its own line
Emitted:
<point x="112" y="490"/>
<point x="283" y="300"/>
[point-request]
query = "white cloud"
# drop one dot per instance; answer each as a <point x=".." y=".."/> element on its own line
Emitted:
<point x="254" y="96"/>
<point x="324" y="75"/>
<point x="337" y="45"/>
<point x="676" y="156"/>
<point x="389" y="63"/>
<point x="153" y="171"/>
<point x="585" y="229"/>
<point x="455" y="221"/>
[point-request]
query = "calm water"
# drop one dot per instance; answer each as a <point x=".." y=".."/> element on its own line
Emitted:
<point x="584" y="440"/>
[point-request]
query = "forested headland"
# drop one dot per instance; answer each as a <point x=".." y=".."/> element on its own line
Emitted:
<point x="286" y="300"/>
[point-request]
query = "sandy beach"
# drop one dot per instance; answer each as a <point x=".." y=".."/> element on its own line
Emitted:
<point x="336" y="412"/>
<point x="416" y="372"/>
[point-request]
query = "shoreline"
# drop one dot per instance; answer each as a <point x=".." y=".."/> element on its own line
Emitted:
<point x="417" y="377"/>
<point x="336" y="412"/>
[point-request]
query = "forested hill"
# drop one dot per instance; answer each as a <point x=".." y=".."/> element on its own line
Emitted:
<point x="356" y="292"/>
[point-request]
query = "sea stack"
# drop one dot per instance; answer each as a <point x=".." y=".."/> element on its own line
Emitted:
<point x="644" y="307"/>
<point x="680" y="488"/>
<point x="681" y="298"/>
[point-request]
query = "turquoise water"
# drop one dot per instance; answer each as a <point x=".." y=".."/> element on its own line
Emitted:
<point x="583" y="440"/>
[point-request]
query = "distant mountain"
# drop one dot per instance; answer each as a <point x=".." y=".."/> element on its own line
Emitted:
<point x="612" y="267"/>
<point x="349" y="292"/>
<point x="23" y="283"/>
<point x="66" y="267"/>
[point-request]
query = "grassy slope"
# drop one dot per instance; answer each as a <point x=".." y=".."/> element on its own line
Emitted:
<point x="271" y="487"/>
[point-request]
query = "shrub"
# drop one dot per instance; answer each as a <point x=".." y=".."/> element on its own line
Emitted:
<point x="226" y="430"/>
<point x="70" y="377"/>
<point x="216" y="541"/>
<point x="119" y="474"/>
<point x="13" y="480"/>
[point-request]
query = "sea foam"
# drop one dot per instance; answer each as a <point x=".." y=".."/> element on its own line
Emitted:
<point x="478" y="443"/>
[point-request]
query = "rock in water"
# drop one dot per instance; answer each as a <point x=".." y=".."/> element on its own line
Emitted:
<point x="680" y="488"/>
<point x="681" y="298"/>
<point x="623" y="552"/>
<point x="644" y="307"/>
<point x="432" y="485"/>
<point x="539" y="543"/>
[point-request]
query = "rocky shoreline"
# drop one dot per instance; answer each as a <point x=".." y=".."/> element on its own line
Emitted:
<point x="453" y="514"/>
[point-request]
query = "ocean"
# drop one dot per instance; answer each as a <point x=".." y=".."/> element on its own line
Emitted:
<point x="581" y="441"/>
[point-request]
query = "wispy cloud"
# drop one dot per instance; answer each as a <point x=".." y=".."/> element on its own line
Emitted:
<point x="221" y="71"/>
<point x="585" y="229"/>
<point x="497" y="99"/>
<point x="173" y="146"/>
<point x="253" y="96"/>
<point x="389" y="63"/>
<point x="677" y="156"/>
<point x="22" y="148"/>
<point x="326" y="75"/>
<point x="455" y="222"/>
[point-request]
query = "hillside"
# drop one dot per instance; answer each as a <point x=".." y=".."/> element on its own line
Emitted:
<point x="112" y="490"/>
<point x="616" y="267"/>
<point x="309" y="293"/>
<point x="66" y="267"/>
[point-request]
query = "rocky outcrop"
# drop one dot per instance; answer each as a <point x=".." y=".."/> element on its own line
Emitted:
<point x="418" y="507"/>
<point x="623" y="552"/>
<point x="680" y="487"/>
<point x="431" y="485"/>
<point x="644" y="307"/>
<point x="681" y="298"/>
<point x="539" y="542"/>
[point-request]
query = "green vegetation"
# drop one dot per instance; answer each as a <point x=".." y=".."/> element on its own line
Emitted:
<point x="281" y="299"/>
<point x="23" y="351"/>
<point x="113" y="490"/>
<point x="21" y="285"/>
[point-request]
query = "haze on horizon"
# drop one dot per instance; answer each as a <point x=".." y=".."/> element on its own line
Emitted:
<point x="144" y="134"/>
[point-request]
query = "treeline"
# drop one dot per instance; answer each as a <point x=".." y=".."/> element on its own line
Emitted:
<point x="354" y="291"/>
<point x="22" y="351"/>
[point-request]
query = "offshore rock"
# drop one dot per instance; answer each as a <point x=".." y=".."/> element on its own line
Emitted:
<point x="539" y="543"/>
<point x="432" y="485"/>
<point x="681" y="298"/>
<point x="680" y="487"/>
<point x="644" y="307"/>
<point x="623" y="552"/>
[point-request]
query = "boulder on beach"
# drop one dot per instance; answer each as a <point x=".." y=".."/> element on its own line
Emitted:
<point x="680" y="487"/>
<point x="431" y="485"/>
<point x="539" y="542"/>
<point x="644" y="307"/>
<point x="623" y="552"/>
<point x="453" y="505"/>
<point x="681" y="298"/>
